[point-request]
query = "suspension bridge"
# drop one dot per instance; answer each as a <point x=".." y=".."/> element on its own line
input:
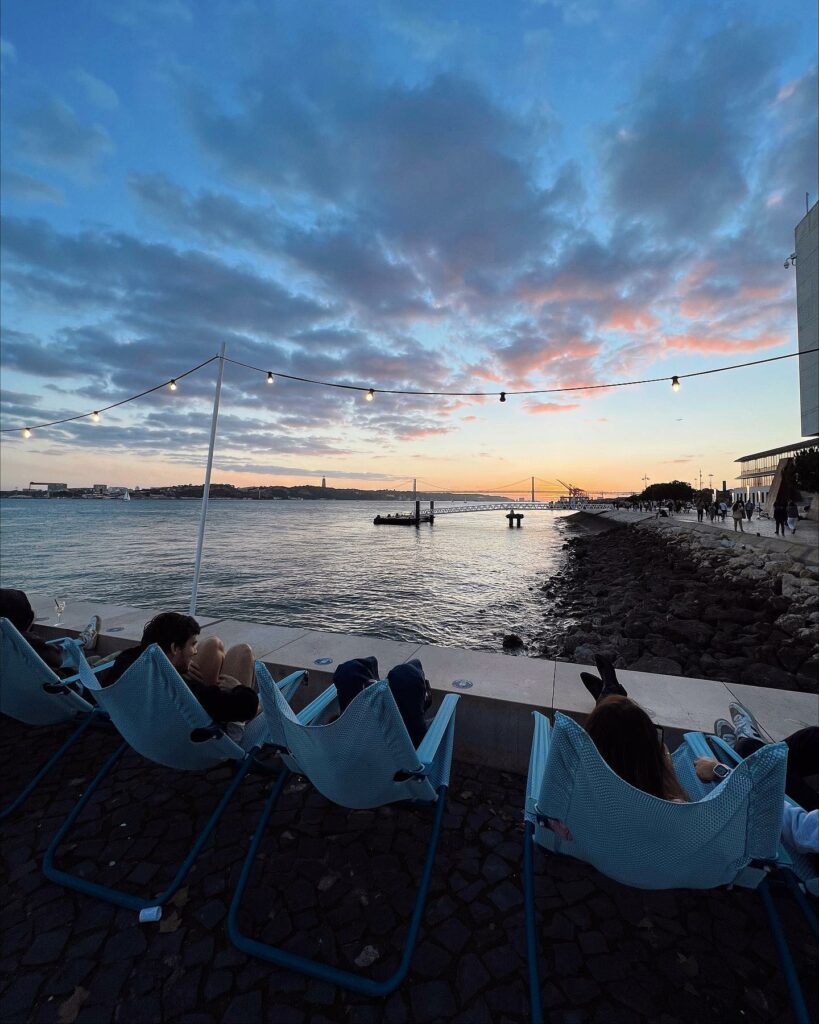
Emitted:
<point x="567" y="497"/>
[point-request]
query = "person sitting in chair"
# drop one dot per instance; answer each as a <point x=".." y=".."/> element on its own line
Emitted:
<point x="223" y="682"/>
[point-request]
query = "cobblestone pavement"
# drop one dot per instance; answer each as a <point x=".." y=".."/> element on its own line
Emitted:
<point x="340" y="885"/>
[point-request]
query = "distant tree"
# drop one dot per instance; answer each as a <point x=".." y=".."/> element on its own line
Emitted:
<point x="806" y="467"/>
<point x="674" y="490"/>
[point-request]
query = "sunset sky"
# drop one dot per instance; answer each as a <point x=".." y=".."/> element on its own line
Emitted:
<point x="403" y="194"/>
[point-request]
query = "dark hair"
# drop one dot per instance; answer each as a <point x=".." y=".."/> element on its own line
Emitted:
<point x="169" y="628"/>
<point x="628" y="742"/>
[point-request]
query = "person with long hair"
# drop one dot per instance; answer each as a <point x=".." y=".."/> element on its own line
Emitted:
<point x="632" y="746"/>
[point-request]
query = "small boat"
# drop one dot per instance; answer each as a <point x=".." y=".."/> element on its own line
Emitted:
<point x="126" y="495"/>
<point x="403" y="519"/>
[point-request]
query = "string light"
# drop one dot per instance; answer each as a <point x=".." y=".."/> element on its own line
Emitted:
<point x="113" y="405"/>
<point x="369" y="393"/>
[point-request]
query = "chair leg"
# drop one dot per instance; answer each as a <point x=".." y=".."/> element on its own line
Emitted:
<point x="24" y="794"/>
<point x="807" y="910"/>
<point x="313" y="968"/>
<point x="531" y="932"/>
<point x="800" y="1010"/>
<point x="117" y="896"/>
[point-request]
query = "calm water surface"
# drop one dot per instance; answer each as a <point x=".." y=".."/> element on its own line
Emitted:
<point x="465" y="581"/>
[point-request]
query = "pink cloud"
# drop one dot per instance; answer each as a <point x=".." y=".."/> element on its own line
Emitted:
<point x="702" y="343"/>
<point x="536" y="408"/>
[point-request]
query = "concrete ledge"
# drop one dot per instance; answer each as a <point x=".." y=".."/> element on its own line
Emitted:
<point x="499" y="691"/>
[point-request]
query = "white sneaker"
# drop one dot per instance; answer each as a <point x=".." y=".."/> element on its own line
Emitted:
<point x="90" y="634"/>
<point x="744" y="722"/>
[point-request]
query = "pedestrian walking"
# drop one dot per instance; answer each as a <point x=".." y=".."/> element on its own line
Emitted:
<point x="723" y="510"/>
<point x="749" y="509"/>
<point x="738" y="512"/>
<point x="780" y="515"/>
<point x="793" y="517"/>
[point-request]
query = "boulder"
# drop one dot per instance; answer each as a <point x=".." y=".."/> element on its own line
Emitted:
<point x="690" y="631"/>
<point x="657" y="666"/>
<point x="791" y="584"/>
<point x="753" y="574"/>
<point x="790" y="624"/>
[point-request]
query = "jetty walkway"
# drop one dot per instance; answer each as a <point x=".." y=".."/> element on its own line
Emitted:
<point x="340" y="883"/>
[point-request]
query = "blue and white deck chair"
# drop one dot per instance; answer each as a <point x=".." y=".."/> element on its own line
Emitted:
<point x="728" y="836"/>
<point x="158" y="717"/>
<point x="363" y="759"/>
<point x="794" y="871"/>
<point x="32" y="693"/>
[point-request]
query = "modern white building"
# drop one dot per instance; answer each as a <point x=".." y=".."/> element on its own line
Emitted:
<point x="807" y="315"/>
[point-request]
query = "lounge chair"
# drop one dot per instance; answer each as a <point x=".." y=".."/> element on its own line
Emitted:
<point x="729" y="836"/>
<point x="158" y="716"/>
<point x="363" y="759"/>
<point x="33" y="693"/>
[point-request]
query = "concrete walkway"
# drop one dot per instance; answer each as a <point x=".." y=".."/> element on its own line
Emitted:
<point x="807" y="531"/>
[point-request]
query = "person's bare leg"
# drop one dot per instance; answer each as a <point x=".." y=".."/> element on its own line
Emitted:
<point x="240" y="665"/>
<point x="207" y="664"/>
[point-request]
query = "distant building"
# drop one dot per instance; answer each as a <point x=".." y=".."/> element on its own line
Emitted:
<point x="807" y="316"/>
<point x="52" y="488"/>
<point x="99" y="489"/>
<point x="324" y="482"/>
<point x="761" y="472"/>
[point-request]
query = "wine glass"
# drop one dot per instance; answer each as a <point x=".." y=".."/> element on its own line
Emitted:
<point x="59" y="604"/>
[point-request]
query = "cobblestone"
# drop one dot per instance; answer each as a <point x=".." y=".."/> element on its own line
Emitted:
<point x="607" y="954"/>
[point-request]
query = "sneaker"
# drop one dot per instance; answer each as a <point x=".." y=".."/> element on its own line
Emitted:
<point x="90" y="634"/>
<point x="724" y="730"/>
<point x="744" y="722"/>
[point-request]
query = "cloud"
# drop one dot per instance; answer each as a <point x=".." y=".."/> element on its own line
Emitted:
<point x="31" y="190"/>
<point x="678" y="159"/>
<point x="535" y="408"/>
<point x="98" y="92"/>
<point x="51" y="135"/>
<point x="149" y="285"/>
<point x="8" y="52"/>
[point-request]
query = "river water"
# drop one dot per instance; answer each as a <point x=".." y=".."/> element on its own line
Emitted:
<point x="465" y="581"/>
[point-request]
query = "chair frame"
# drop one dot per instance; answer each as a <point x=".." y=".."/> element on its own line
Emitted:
<point x="150" y="909"/>
<point x="442" y="723"/>
<point x="90" y="717"/>
<point x="698" y="746"/>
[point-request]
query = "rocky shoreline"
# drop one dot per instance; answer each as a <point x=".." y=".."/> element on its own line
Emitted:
<point x="685" y="603"/>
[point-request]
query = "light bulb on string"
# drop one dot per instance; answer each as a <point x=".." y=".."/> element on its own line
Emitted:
<point x="370" y="395"/>
<point x="26" y="433"/>
<point x="270" y="377"/>
<point x="95" y="417"/>
<point x="172" y="385"/>
<point x="503" y="396"/>
<point x="675" y="383"/>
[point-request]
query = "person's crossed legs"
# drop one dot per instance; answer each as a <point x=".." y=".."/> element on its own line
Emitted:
<point x="213" y="666"/>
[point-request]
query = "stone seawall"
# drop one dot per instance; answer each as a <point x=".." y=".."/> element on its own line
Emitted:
<point x="659" y="596"/>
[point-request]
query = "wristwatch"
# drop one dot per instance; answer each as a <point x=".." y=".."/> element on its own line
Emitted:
<point x="721" y="771"/>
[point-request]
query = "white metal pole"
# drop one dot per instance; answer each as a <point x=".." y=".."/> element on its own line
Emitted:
<point x="200" y="540"/>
